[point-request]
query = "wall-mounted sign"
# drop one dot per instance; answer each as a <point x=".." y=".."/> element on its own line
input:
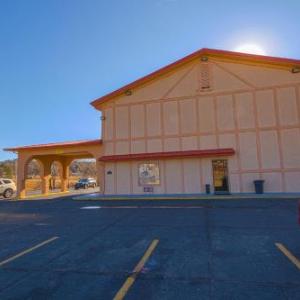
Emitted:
<point x="149" y="174"/>
<point x="59" y="151"/>
<point x="148" y="189"/>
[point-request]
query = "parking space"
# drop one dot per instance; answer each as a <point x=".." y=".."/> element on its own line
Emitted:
<point x="54" y="249"/>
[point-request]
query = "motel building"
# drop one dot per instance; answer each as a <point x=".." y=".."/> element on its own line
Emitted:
<point x="216" y="118"/>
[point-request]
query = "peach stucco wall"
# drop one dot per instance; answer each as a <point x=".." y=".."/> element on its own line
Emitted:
<point x="253" y="109"/>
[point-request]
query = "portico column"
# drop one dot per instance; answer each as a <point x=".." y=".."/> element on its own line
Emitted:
<point x="46" y="176"/>
<point x="65" y="175"/>
<point x="21" y="177"/>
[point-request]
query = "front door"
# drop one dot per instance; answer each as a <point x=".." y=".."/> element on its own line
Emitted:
<point x="220" y="176"/>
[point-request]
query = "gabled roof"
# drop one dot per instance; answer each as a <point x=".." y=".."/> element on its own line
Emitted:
<point x="55" y="145"/>
<point x="237" y="56"/>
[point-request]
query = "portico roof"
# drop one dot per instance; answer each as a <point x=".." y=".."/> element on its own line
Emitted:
<point x="55" y="145"/>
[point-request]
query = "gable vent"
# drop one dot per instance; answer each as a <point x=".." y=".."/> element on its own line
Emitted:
<point x="205" y="76"/>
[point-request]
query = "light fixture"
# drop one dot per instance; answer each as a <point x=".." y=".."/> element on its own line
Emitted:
<point x="102" y="118"/>
<point x="204" y="58"/>
<point x="128" y="93"/>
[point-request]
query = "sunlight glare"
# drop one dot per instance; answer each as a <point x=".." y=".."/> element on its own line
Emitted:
<point x="251" y="49"/>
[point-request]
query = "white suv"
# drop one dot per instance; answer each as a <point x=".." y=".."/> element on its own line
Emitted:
<point x="7" y="187"/>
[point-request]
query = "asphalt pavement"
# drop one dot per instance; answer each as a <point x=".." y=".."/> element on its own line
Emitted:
<point x="171" y="249"/>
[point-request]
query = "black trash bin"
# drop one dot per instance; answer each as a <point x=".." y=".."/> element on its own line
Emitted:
<point x="259" y="186"/>
<point x="207" y="188"/>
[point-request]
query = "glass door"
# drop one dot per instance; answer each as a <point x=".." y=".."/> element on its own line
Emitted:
<point x="220" y="176"/>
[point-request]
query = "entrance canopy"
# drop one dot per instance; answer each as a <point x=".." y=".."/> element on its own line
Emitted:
<point x="63" y="153"/>
<point x="75" y="148"/>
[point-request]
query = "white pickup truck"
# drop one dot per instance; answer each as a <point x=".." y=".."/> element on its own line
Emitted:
<point x="7" y="187"/>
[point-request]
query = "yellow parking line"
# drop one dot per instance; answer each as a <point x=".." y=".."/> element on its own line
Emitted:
<point x="288" y="254"/>
<point x="130" y="280"/>
<point x="2" y="263"/>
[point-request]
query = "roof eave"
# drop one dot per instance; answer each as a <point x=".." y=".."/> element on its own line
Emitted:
<point x="146" y="78"/>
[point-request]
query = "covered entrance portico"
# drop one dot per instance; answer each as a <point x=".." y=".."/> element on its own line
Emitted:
<point x="61" y="153"/>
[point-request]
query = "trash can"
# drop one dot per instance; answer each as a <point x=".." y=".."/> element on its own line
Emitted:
<point x="207" y="188"/>
<point x="259" y="186"/>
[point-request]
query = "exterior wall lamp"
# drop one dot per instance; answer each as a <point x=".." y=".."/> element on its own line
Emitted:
<point x="128" y="93"/>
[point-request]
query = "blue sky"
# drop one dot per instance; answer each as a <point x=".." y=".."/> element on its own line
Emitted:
<point x="58" y="55"/>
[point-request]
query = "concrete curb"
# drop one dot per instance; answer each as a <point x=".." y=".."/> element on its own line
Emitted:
<point x="96" y="197"/>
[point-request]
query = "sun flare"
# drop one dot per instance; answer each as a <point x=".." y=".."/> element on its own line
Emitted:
<point x="251" y="49"/>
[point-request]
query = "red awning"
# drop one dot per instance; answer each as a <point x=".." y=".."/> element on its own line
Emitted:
<point x="170" y="154"/>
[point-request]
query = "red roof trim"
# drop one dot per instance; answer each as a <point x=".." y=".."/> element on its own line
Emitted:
<point x="205" y="51"/>
<point x="54" y="145"/>
<point x="260" y="58"/>
<point x="171" y="154"/>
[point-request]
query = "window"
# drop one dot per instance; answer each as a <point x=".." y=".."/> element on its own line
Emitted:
<point x="6" y="181"/>
<point x="149" y="174"/>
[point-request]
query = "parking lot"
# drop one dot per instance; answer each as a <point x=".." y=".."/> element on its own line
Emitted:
<point x="200" y="249"/>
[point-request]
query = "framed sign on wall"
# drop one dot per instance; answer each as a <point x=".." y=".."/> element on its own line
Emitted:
<point x="149" y="174"/>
